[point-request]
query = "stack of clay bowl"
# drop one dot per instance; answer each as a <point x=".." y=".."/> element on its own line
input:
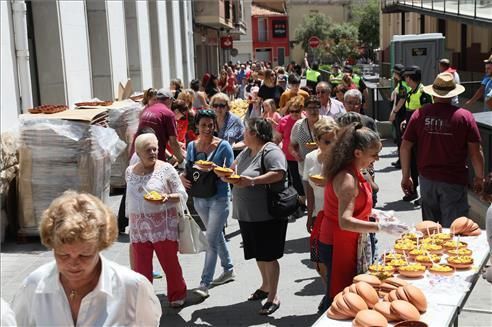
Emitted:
<point x="369" y="318"/>
<point x="428" y="227"/>
<point x="390" y="284"/>
<point x="365" y="291"/>
<point x="404" y="303"/>
<point x="346" y="306"/>
<point x="465" y="226"/>
<point x="369" y="279"/>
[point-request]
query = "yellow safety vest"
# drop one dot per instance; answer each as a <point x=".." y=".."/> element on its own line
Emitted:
<point x="356" y="80"/>
<point x="336" y="79"/>
<point x="416" y="99"/>
<point x="312" y="75"/>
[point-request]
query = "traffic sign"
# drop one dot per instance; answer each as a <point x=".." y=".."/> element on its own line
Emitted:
<point x="314" y="42"/>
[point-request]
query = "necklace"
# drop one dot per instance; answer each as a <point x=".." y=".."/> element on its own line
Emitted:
<point x="72" y="295"/>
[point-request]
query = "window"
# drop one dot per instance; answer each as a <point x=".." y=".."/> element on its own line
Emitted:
<point x="262" y="29"/>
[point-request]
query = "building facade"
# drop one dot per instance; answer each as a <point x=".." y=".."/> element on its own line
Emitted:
<point x="269" y="29"/>
<point x="64" y="52"/>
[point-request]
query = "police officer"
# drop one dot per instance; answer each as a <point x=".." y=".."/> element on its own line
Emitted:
<point x="416" y="99"/>
<point x="313" y="75"/>
<point x="335" y="76"/>
<point x="397" y="115"/>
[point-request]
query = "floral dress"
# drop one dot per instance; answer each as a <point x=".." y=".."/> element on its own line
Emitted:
<point x="152" y="221"/>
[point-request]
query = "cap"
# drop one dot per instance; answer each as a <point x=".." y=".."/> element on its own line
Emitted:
<point x="410" y="70"/>
<point x="398" y="68"/>
<point x="335" y="65"/>
<point x="348" y="68"/>
<point x="445" y="62"/>
<point x="164" y="94"/>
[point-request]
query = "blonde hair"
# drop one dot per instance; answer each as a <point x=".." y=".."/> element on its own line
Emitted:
<point x="325" y="125"/>
<point x="144" y="139"/>
<point x="221" y="96"/>
<point x="271" y="103"/>
<point x="78" y="217"/>
<point x="297" y="101"/>
<point x="187" y="96"/>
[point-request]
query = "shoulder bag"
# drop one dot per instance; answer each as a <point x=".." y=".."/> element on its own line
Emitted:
<point x="203" y="183"/>
<point x="283" y="203"/>
<point x="191" y="238"/>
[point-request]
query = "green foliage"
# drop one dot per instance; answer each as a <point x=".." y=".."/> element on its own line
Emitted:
<point x="342" y="42"/>
<point x="314" y="24"/>
<point x="366" y="18"/>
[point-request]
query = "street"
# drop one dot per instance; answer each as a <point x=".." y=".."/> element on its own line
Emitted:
<point x="300" y="289"/>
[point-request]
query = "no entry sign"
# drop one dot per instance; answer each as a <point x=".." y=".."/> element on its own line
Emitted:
<point x="314" y="42"/>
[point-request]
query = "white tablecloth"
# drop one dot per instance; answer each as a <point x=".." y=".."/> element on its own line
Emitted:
<point x="444" y="294"/>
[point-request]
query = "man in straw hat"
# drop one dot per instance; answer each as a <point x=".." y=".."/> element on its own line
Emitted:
<point x="445" y="137"/>
<point x="485" y="89"/>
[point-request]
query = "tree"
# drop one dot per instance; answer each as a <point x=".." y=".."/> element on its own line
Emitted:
<point x="314" y="24"/>
<point x="342" y="42"/>
<point x="366" y="18"/>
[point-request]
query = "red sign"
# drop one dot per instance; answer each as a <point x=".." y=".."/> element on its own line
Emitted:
<point x="314" y="42"/>
<point x="226" y="42"/>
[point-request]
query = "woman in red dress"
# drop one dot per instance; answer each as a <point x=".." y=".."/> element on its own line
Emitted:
<point x="348" y="205"/>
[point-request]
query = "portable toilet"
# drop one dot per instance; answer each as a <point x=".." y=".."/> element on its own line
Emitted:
<point x="423" y="50"/>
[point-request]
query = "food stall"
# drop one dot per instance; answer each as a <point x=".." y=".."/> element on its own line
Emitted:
<point x="456" y="257"/>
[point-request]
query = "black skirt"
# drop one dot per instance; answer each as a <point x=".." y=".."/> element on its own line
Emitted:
<point x="265" y="240"/>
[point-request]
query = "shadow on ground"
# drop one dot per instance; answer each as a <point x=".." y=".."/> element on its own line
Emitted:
<point x="300" y="245"/>
<point x="28" y="248"/>
<point x="399" y="205"/>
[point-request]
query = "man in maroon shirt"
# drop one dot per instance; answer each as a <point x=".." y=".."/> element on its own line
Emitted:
<point x="445" y="136"/>
<point x="162" y="120"/>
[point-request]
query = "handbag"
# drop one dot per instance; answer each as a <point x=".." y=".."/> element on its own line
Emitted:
<point x="203" y="183"/>
<point x="282" y="203"/>
<point x="364" y="253"/>
<point x="191" y="240"/>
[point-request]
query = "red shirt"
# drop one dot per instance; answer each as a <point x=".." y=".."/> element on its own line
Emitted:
<point x="162" y="121"/>
<point x="284" y="128"/>
<point x="441" y="133"/>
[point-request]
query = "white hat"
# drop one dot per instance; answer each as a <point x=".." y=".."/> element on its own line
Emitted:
<point x="444" y="86"/>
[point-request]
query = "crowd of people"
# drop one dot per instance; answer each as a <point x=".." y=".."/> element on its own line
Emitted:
<point x="315" y="138"/>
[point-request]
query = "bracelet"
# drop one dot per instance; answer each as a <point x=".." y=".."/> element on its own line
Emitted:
<point x="252" y="182"/>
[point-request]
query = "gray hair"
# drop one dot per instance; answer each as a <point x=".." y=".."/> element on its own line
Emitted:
<point x="324" y="85"/>
<point x="143" y="140"/>
<point x="352" y="93"/>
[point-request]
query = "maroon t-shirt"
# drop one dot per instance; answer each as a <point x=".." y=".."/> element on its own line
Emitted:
<point x="163" y="122"/>
<point x="442" y="133"/>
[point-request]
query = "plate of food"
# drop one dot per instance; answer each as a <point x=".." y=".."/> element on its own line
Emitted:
<point x="223" y="171"/>
<point x="153" y="196"/>
<point x="311" y="145"/>
<point x="204" y="163"/>
<point x="317" y="179"/>
<point x="460" y="261"/>
<point x="233" y="179"/>
<point x="412" y="270"/>
<point x="443" y="270"/>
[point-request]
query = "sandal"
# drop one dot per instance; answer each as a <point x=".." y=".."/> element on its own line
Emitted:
<point x="258" y="295"/>
<point x="268" y="308"/>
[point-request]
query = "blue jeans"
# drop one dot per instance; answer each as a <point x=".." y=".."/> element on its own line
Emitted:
<point x="214" y="212"/>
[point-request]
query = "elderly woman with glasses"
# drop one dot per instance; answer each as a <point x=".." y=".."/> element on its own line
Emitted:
<point x="80" y="287"/>
<point x="261" y="163"/>
<point x="229" y="126"/>
<point x="213" y="209"/>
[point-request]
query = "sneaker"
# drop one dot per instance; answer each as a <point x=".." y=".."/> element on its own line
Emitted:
<point x="202" y="291"/>
<point x="225" y="277"/>
<point x="410" y="197"/>
<point x="417" y="202"/>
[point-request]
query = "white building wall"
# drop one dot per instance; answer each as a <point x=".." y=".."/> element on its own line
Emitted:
<point x="244" y="45"/>
<point x="75" y="49"/>
<point x="190" y="46"/>
<point x="144" y="43"/>
<point x="176" y="40"/>
<point x="164" y="43"/>
<point x="9" y="95"/>
<point x="117" y="43"/>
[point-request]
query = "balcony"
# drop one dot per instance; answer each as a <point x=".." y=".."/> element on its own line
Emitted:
<point x="468" y="11"/>
<point x="217" y="14"/>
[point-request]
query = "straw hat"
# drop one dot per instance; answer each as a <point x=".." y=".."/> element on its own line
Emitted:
<point x="488" y="61"/>
<point x="444" y="87"/>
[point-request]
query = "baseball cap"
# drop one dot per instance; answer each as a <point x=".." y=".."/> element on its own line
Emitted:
<point x="335" y="65"/>
<point x="347" y="68"/>
<point x="164" y="94"/>
<point x="398" y="68"/>
<point x="445" y="62"/>
<point x="282" y="78"/>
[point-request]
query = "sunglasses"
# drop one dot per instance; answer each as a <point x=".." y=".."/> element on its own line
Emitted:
<point x="219" y="105"/>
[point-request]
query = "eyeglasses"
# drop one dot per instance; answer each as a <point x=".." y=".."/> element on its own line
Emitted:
<point x="219" y="105"/>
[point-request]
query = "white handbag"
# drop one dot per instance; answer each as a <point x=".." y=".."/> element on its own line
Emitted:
<point x="191" y="238"/>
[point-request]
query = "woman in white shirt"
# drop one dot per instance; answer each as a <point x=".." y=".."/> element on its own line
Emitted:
<point x="325" y="130"/>
<point x="82" y="288"/>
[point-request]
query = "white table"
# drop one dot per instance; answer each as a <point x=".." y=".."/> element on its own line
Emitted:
<point x="446" y="296"/>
